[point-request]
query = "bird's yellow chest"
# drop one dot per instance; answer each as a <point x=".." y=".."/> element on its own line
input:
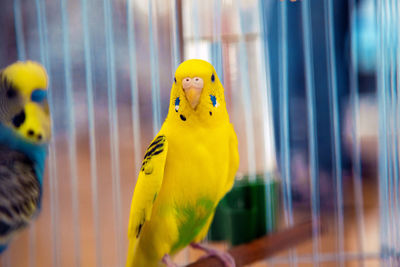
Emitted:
<point x="197" y="163"/>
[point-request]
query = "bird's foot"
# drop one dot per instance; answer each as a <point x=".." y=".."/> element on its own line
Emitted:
<point x="168" y="261"/>
<point x="225" y="257"/>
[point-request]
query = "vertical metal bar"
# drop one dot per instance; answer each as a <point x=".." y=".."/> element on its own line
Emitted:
<point x="386" y="67"/>
<point x="389" y="129"/>
<point x="196" y="23"/>
<point x="44" y="55"/>
<point x="71" y="131"/>
<point x="216" y="47"/>
<point x="335" y="122"/>
<point x="245" y="91"/>
<point x="41" y="31"/>
<point x="179" y="20"/>
<point x="394" y="25"/>
<point x="44" y="49"/>
<point x="388" y="134"/>
<point x="54" y="206"/>
<point x="312" y="130"/>
<point x="284" y="122"/>
<point x="393" y="153"/>
<point x="19" y="30"/>
<point x="155" y="77"/>
<point x="113" y="129"/>
<point x="396" y="11"/>
<point x="284" y="109"/>
<point x="176" y="46"/>
<point x="388" y="181"/>
<point x="134" y="85"/>
<point x="393" y="147"/>
<point x="383" y="203"/>
<point x="92" y="130"/>
<point x="265" y="86"/>
<point x="356" y="148"/>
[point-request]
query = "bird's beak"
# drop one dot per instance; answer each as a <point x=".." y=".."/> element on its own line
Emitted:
<point x="192" y="88"/>
<point x="193" y="96"/>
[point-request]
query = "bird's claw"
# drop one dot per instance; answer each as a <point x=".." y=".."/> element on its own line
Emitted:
<point x="225" y="257"/>
<point x="168" y="261"/>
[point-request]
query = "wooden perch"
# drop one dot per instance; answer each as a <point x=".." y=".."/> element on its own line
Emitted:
<point x="262" y="248"/>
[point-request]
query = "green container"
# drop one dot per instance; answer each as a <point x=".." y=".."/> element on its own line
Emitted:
<point x="247" y="212"/>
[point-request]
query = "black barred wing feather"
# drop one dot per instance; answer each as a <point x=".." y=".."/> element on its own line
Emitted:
<point x="19" y="192"/>
<point x="148" y="185"/>
<point x="156" y="147"/>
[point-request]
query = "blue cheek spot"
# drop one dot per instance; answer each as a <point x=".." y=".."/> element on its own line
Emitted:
<point x="177" y="101"/>
<point x="213" y="100"/>
<point x="38" y="95"/>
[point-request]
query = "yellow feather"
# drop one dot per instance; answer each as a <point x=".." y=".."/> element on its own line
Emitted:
<point x="37" y="120"/>
<point x="27" y="76"/>
<point x="191" y="176"/>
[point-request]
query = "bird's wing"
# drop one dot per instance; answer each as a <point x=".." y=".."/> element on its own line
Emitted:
<point x="148" y="185"/>
<point x="233" y="159"/>
<point x="19" y="192"/>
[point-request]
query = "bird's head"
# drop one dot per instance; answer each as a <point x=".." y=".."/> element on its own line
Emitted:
<point x="197" y="93"/>
<point x="23" y="101"/>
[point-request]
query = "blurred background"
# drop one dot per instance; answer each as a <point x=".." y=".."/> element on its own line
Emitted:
<point x="311" y="88"/>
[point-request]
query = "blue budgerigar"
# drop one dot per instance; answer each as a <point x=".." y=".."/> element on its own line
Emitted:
<point x="24" y="134"/>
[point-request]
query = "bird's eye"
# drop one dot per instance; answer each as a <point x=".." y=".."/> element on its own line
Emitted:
<point x="174" y="79"/>
<point x="212" y="77"/>
<point x="11" y="93"/>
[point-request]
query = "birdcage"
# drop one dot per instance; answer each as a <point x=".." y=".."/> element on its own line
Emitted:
<point x="311" y="88"/>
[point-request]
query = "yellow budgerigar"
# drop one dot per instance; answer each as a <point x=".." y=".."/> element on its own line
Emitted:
<point x="187" y="169"/>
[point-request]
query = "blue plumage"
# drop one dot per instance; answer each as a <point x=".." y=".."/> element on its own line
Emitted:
<point x="177" y="101"/>
<point x="213" y="100"/>
<point x="37" y="153"/>
<point x="38" y="95"/>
